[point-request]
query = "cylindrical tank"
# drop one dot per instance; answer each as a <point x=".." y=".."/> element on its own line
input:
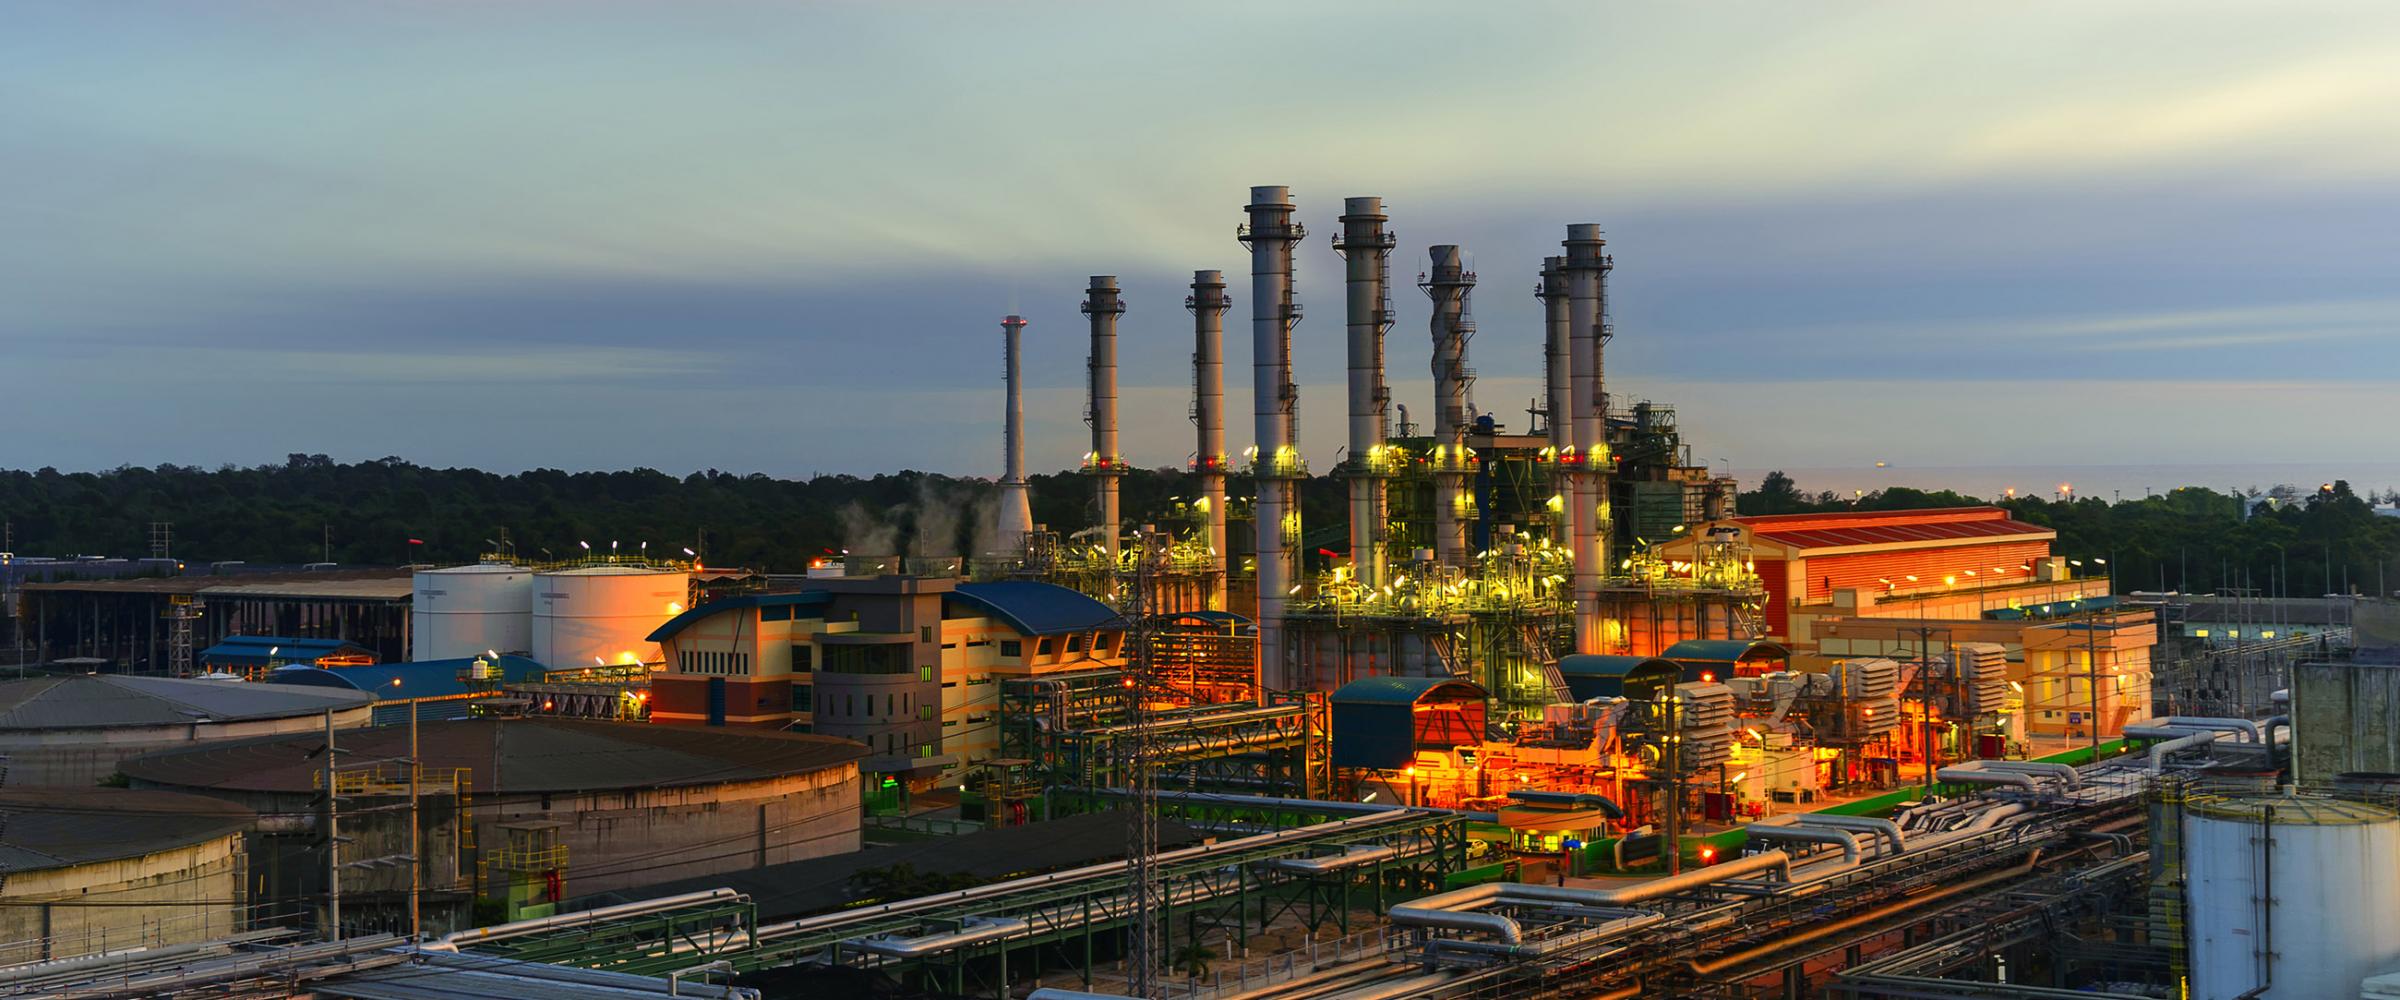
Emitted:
<point x="2298" y="894"/>
<point x="594" y="615"/>
<point x="461" y="611"/>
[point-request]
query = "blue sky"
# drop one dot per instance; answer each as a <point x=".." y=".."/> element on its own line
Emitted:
<point x="778" y="237"/>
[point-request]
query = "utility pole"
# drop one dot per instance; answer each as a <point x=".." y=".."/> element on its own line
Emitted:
<point x="416" y="834"/>
<point x="333" y="841"/>
<point x="1674" y="824"/>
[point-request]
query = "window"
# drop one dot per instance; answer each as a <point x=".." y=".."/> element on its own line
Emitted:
<point x="804" y="697"/>
<point x="925" y="674"/>
<point x="888" y="702"/>
<point x="924" y="633"/>
<point x="1011" y="647"/>
<point x="780" y="613"/>
<point x="804" y="658"/>
<point x="865" y="660"/>
<point x="950" y="723"/>
<point x="925" y="713"/>
<point x="1041" y="647"/>
<point x="1075" y="643"/>
<point x="928" y="750"/>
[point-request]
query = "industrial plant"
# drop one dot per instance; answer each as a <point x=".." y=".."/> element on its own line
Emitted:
<point x="1542" y="716"/>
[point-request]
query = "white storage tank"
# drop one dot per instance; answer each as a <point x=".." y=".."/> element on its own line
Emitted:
<point x="593" y="615"/>
<point x="2299" y="894"/>
<point x="462" y="611"/>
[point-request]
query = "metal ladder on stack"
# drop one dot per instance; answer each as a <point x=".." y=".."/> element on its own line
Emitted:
<point x="1539" y="648"/>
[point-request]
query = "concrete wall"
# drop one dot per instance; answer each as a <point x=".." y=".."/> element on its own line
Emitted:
<point x="198" y="891"/>
<point x="618" y="840"/>
<point x="2345" y="717"/>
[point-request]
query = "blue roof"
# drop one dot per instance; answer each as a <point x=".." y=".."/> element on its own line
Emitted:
<point x="1725" y="650"/>
<point x="1036" y="608"/>
<point x="805" y="598"/>
<point x="421" y="679"/>
<point x="1402" y="690"/>
<point x="258" y="650"/>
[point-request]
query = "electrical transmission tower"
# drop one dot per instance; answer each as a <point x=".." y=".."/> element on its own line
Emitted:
<point x="1142" y="958"/>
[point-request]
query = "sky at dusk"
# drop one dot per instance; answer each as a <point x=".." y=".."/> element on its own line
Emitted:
<point x="779" y="237"/>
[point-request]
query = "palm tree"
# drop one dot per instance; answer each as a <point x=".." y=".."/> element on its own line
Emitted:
<point x="1193" y="959"/>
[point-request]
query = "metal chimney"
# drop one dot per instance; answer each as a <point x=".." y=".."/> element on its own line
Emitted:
<point x="1556" y="357"/>
<point x="1367" y="249"/>
<point x="1208" y="303"/>
<point x="1270" y="234"/>
<point x="1016" y="507"/>
<point x="1587" y="504"/>
<point x="1104" y="464"/>
<point x="1448" y="284"/>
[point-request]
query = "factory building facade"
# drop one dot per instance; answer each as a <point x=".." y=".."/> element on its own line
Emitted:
<point x="909" y="666"/>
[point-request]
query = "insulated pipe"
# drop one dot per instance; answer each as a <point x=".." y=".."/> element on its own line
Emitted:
<point x="1990" y="818"/>
<point x="1583" y="267"/>
<point x="1816" y="931"/>
<point x="1208" y="304"/>
<point x="1270" y="234"/>
<point x="501" y="932"/>
<point x="2267" y="729"/>
<point x="1015" y="519"/>
<point x="1556" y="356"/>
<point x="2244" y="726"/>
<point x="1805" y="834"/>
<point x="1100" y="302"/>
<point x="973" y="930"/>
<point x="2159" y="751"/>
<point x="1883" y="828"/>
<point x="1453" y="910"/>
<point x="1351" y="856"/>
<point x="1962" y="775"/>
<point x="1448" y="284"/>
<point x="2064" y="773"/>
<point x="1365" y="248"/>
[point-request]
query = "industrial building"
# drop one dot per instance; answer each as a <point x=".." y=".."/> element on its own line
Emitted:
<point x="71" y="731"/>
<point x="154" y="624"/>
<point x="430" y="689"/>
<point x="523" y="810"/>
<point x="95" y="870"/>
<point x="909" y="666"/>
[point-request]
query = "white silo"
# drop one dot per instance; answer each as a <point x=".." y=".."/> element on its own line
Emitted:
<point x="603" y="614"/>
<point x="2297" y="894"/>
<point x="462" y="611"/>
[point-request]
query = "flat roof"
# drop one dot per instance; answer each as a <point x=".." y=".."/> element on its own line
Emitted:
<point x="102" y="701"/>
<point x="63" y="827"/>
<point x="513" y="756"/>
<point x="378" y="583"/>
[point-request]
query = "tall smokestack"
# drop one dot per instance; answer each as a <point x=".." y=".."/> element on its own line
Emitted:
<point x="1270" y="234"/>
<point x="1208" y="303"/>
<point x="1104" y="464"/>
<point x="1586" y="519"/>
<point x="1448" y="285"/>
<point x="1016" y="508"/>
<point x="1557" y="356"/>
<point x="1367" y="249"/>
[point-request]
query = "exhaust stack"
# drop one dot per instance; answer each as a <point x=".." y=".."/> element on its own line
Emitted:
<point x="1559" y="421"/>
<point x="1270" y="234"/>
<point x="1104" y="465"/>
<point x="1208" y="303"/>
<point x="1587" y="511"/>
<point x="1367" y="248"/>
<point x="1016" y="507"/>
<point x="1449" y="284"/>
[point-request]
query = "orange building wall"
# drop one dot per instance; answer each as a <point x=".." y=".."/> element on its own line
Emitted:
<point x="763" y="703"/>
<point x="1863" y="571"/>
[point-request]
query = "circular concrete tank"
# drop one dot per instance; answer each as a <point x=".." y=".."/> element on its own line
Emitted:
<point x="463" y="611"/>
<point x="2298" y="894"/>
<point x="603" y="615"/>
<point x="72" y="730"/>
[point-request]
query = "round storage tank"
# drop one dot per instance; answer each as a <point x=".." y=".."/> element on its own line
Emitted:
<point x="464" y="611"/>
<point x="2300" y="894"/>
<point x="593" y="615"/>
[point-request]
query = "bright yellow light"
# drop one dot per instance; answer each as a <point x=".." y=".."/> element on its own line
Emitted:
<point x="674" y="608"/>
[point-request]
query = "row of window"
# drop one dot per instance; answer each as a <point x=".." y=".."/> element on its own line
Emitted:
<point x="704" y="661"/>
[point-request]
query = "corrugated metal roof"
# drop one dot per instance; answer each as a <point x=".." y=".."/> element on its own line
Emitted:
<point x="100" y="701"/>
<point x="514" y="755"/>
<point x="1854" y="528"/>
<point x="417" y="679"/>
<point x="433" y="975"/>
<point x="62" y="827"/>
<point x="1034" y="608"/>
<point x="1593" y="675"/>
<point x="802" y="599"/>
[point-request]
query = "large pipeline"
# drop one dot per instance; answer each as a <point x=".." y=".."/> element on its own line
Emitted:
<point x="1101" y="303"/>
<point x="1583" y="267"/>
<point x="1016" y="505"/>
<point x="1208" y="303"/>
<point x="1782" y="829"/>
<point x="1884" y="828"/>
<point x="1449" y="284"/>
<point x="580" y="918"/>
<point x="1455" y="910"/>
<point x="1820" y="930"/>
<point x="1365" y="248"/>
<point x="1270" y="234"/>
